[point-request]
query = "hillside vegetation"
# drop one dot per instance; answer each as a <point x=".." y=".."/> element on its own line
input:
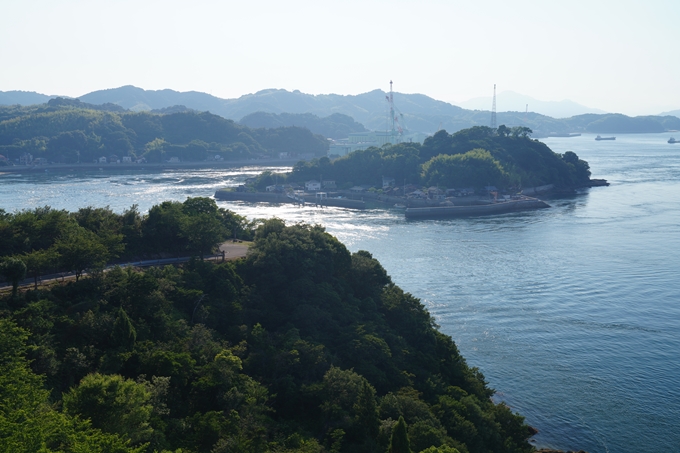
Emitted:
<point x="476" y="157"/>
<point x="300" y="347"/>
<point x="421" y="113"/>
<point x="68" y="131"/>
<point x="335" y="126"/>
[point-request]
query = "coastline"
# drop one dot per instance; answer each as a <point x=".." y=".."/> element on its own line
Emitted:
<point x="156" y="166"/>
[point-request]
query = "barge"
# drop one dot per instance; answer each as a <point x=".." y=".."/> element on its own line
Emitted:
<point x="501" y="207"/>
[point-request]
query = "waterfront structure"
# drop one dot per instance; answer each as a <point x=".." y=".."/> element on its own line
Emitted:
<point x="312" y="186"/>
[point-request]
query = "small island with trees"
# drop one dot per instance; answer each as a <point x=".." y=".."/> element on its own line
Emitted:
<point x="476" y="166"/>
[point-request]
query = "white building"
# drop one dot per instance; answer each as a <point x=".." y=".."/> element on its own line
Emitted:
<point x="312" y="186"/>
<point x="387" y="182"/>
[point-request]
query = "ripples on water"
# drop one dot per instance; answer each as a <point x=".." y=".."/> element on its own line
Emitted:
<point x="572" y="313"/>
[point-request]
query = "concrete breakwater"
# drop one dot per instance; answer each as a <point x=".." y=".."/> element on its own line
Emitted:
<point x="270" y="197"/>
<point x="502" y="207"/>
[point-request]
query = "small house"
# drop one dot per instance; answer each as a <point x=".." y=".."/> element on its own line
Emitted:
<point x="102" y="160"/>
<point x="312" y="186"/>
<point x="26" y="159"/>
<point x="387" y="182"/>
<point x="127" y="159"/>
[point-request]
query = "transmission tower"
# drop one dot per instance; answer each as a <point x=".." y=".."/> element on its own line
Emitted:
<point x="396" y="119"/>
<point x="493" y="109"/>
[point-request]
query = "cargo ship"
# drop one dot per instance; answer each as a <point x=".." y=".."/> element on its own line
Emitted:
<point x="598" y="138"/>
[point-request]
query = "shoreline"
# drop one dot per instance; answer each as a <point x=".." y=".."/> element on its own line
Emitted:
<point x="157" y="166"/>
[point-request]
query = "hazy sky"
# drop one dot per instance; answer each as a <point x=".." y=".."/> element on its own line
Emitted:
<point x="620" y="56"/>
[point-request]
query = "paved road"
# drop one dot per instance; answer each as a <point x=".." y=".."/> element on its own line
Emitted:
<point x="232" y="251"/>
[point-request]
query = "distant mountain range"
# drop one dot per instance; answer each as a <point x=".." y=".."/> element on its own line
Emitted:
<point x="274" y="108"/>
<point x="23" y="98"/>
<point x="509" y="101"/>
<point x="335" y="126"/>
<point x="672" y="113"/>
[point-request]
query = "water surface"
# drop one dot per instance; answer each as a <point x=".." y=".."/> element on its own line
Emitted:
<point x="572" y="313"/>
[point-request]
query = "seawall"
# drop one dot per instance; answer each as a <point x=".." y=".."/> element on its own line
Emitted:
<point x="278" y="198"/>
<point x="475" y="210"/>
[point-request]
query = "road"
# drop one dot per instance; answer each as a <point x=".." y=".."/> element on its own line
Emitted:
<point x="232" y="250"/>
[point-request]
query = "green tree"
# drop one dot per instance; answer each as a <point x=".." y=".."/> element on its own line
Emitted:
<point x="14" y="270"/>
<point x="124" y="333"/>
<point x="476" y="168"/>
<point x="113" y="404"/>
<point x="203" y="232"/>
<point x="442" y="449"/>
<point x="366" y="409"/>
<point x="28" y="422"/>
<point x="38" y="261"/>
<point x="67" y="146"/>
<point x="80" y="250"/>
<point x="399" y="442"/>
<point x="163" y="229"/>
<point x="106" y="224"/>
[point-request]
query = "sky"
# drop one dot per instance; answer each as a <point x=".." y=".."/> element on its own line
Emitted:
<point x="619" y="56"/>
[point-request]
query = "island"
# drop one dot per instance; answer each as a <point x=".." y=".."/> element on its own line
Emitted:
<point x="476" y="171"/>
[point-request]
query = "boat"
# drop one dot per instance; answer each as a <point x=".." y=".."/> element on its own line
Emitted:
<point x="559" y="134"/>
<point x="598" y="138"/>
<point x="673" y="140"/>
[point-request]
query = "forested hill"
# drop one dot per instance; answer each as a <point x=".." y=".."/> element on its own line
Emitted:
<point x="421" y="113"/>
<point x="475" y="157"/>
<point x="256" y="355"/>
<point x="335" y="126"/>
<point x="70" y="131"/>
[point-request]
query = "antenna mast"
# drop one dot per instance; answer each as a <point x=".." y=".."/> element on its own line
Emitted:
<point x="493" y="109"/>
<point x="391" y="107"/>
<point x="396" y="122"/>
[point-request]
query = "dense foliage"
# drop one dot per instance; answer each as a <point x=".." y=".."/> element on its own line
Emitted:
<point x="46" y="240"/>
<point x="335" y="126"/>
<point x="475" y="157"/>
<point x="68" y="131"/>
<point x="300" y="347"/>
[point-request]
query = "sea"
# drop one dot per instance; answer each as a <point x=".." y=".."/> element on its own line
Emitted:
<point x="572" y="313"/>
